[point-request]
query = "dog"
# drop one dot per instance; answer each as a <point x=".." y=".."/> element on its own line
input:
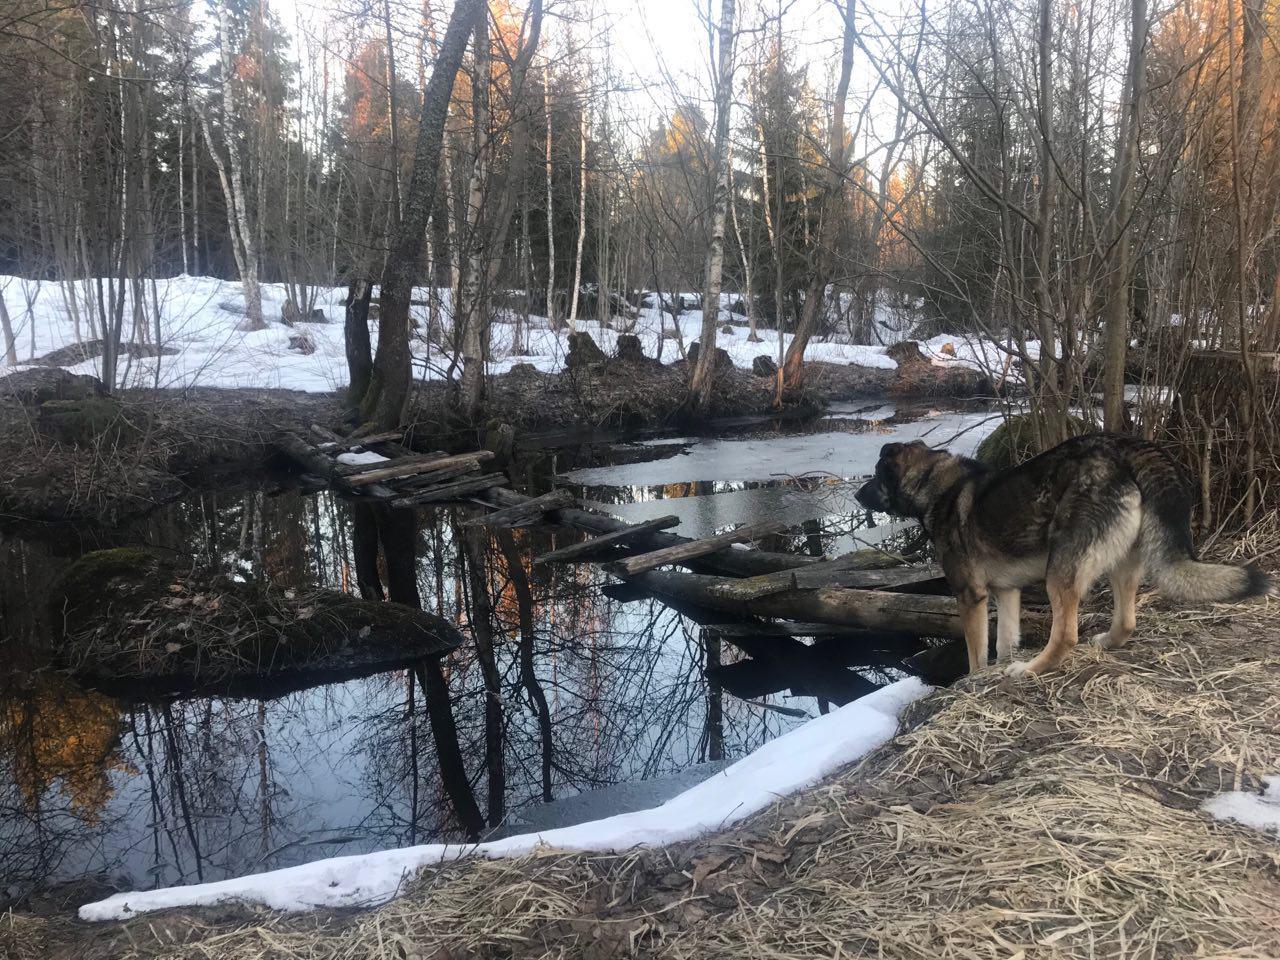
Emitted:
<point x="1096" y="504"/>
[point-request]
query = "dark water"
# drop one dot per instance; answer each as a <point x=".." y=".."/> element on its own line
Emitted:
<point x="591" y="686"/>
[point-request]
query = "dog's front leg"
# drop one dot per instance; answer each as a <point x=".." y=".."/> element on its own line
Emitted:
<point x="973" y="620"/>
<point x="1008" y="627"/>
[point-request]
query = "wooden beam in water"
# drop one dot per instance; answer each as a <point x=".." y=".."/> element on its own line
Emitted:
<point x="738" y="563"/>
<point x="847" y="571"/>
<point x="394" y="470"/>
<point x="920" y="614"/>
<point x="524" y="514"/>
<point x="620" y="537"/>
<point x="350" y="470"/>
<point x="692" y="549"/>
<point x="451" y="491"/>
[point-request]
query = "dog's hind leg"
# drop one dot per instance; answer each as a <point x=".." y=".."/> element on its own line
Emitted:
<point x="973" y="618"/>
<point x="1008" y="627"/>
<point x="1124" y="589"/>
<point x="1064" y="597"/>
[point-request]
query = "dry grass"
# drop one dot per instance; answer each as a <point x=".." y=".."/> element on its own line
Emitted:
<point x="1057" y="818"/>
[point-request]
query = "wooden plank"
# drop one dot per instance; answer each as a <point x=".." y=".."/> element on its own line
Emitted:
<point x="618" y="538"/>
<point x="847" y="571"/>
<point x="391" y="470"/>
<point x="525" y="513"/>
<point x="693" y="549"/>
<point x="436" y="477"/>
<point x="352" y="470"/>
<point x="398" y="469"/>
<point x="451" y="491"/>
<point x="738" y="563"/>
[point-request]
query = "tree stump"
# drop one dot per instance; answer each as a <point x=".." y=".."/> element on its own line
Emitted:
<point x="917" y="375"/>
<point x="629" y="349"/>
<point x="722" y="362"/>
<point x="764" y="366"/>
<point x="583" y="351"/>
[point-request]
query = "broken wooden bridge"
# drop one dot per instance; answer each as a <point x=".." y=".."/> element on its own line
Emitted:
<point x="757" y="595"/>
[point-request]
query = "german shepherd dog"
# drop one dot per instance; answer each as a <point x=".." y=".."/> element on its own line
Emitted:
<point x="1096" y="504"/>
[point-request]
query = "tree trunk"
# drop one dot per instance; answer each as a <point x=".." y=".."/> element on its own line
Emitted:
<point x="240" y="221"/>
<point x="551" y="233"/>
<point x="1116" y="320"/>
<point x="469" y="312"/>
<point x="388" y="392"/>
<point x="582" y="216"/>
<point x="356" y="336"/>
<point x="828" y="225"/>
<point x="703" y="376"/>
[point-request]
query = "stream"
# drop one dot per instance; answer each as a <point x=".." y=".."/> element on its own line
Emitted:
<point x="100" y="792"/>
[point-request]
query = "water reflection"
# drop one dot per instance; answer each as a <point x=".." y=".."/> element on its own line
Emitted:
<point x="565" y="687"/>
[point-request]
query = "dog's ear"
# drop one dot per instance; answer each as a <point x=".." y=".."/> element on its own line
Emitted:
<point x="890" y="450"/>
<point x="918" y="445"/>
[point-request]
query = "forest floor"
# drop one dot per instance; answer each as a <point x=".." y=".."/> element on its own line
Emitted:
<point x="147" y="447"/>
<point x="1060" y="817"/>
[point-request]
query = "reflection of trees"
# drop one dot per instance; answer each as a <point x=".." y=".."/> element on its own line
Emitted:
<point x="59" y="746"/>
<point x="57" y="732"/>
<point x="396" y="531"/>
<point x="565" y="690"/>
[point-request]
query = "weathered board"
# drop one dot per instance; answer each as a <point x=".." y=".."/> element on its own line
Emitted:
<point x="692" y="549"/>
<point x="626" y="535"/>
<point x="847" y="571"/>
<point x="523" y="514"/>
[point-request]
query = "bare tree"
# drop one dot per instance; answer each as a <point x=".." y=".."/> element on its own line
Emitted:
<point x="388" y="393"/>
<point x="702" y="377"/>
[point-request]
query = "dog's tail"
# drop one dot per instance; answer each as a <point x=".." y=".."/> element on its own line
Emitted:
<point x="1167" y="545"/>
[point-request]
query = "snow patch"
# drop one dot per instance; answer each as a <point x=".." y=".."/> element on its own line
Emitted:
<point x="1260" y="811"/>
<point x="793" y="761"/>
<point x="359" y="459"/>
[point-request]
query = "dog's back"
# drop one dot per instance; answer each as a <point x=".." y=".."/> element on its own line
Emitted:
<point x="1099" y="500"/>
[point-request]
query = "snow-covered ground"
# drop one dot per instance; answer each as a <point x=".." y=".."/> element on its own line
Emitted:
<point x="793" y="761"/>
<point x="1258" y="810"/>
<point x="201" y="319"/>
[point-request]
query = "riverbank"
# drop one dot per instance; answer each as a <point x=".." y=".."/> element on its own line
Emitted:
<point x="1061" y="817"/>
<point x="73" y="454"/>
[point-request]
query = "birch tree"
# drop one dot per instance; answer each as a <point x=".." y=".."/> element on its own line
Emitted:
<point x="702" y="378"/>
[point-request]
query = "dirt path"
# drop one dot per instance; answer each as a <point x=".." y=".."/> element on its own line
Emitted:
<point x="1058" y="818"/>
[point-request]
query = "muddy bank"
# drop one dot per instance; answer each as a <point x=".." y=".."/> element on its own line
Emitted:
<point x="127" y="622"/>
<point x="73" y="453"/>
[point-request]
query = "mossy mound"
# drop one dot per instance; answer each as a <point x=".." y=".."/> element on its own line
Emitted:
<point x="1015" y="441"/>
<point x="82" y="422"/>
<point x="126" y="615"/>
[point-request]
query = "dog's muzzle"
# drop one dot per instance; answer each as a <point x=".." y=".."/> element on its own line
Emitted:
<point x="871" y="496"/>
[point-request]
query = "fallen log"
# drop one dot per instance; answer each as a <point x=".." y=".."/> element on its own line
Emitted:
<point x="523" y="514"/>
<point x="439" y="475"/>
<point x="311" y="459"/>
<point x="738" y="563"/>
<point x="395" y="469"/>
<point x="617" y="538"/>
<point x="848" y="571"/>
<point x="451" y="491"/>
<point x="352" y="469"/>
<point x="878" y="610"/>
<point x="691" y="550"/>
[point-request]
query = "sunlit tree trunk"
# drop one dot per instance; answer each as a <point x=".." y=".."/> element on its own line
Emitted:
<point x="1116" y="319"/>
<point x="829" y="224"/>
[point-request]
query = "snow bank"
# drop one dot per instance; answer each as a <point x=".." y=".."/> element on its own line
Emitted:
<point x="1260" y="811"/>
<point x="795" y="760"/>
<point x="201" y="320"/>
